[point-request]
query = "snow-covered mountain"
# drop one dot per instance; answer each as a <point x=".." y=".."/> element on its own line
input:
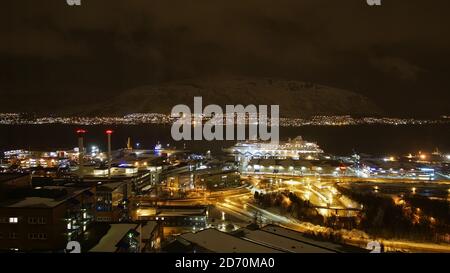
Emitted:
<point x="296" y="99"/>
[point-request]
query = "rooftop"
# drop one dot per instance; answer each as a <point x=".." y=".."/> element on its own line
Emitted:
<point x="110" y="186"/>
<point x="181" y="211"/>
<point x="298" y="236"/>
<point x="36" y="202"/>
<point x="10" y="176"/>
<point x="147" y="229"/>
<point x="109" y="242"/>
<point x="221" y="242"/>
<point x="43" y="197"/>
<point x="282" y="243"/>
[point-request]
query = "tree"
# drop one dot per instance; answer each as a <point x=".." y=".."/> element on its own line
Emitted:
<point x="256" y="195"/>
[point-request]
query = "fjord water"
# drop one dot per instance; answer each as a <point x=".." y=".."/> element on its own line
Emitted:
<point x="341" y="140"/>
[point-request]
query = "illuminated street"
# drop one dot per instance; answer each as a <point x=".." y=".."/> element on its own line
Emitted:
<point x="219" y="134"/>
<point x="241" y="206"/>
<point x="237" y="206"/>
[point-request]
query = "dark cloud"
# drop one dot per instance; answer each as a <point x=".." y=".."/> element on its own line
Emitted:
<point x="106" y="47"/>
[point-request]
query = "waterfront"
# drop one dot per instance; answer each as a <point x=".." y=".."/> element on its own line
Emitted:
<point x="323" y="186"/>
<point x="340" y="140"/>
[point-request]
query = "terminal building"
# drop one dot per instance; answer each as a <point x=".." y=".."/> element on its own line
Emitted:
<point x="175" y="216"/>
<point x="296" y="167"/>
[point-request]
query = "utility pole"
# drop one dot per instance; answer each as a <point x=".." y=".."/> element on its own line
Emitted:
<point x="109" y="133"/>
<point x="80" y="133"/>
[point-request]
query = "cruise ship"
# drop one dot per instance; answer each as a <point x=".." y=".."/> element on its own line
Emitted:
<point x="296" y="148"/>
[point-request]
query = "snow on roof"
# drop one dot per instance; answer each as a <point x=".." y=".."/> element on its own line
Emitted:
<point x="220" y="242"/>
<point x="180" y="212"/>
<point x="113" y="236"/>
<point x="292" y="234"/>
<point x="282" y="243"/>
<point x="36" y="202"/>
<point x="45" y="202"/>
<point x="147" y="187"/>
<point x="147" y="229"/>
<point x="112" y="186"/>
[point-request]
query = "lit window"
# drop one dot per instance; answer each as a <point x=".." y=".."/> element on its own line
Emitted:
<point x="13" y="220"/>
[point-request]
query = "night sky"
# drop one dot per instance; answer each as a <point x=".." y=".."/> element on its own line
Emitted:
<point x="397" y="54"/>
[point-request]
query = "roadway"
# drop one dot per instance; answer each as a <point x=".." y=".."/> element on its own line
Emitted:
<point x="241" y="207"/>
<point x="321" y="193"/>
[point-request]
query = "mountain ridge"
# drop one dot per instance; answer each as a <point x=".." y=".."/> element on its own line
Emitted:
<point x="296" y="98"/>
